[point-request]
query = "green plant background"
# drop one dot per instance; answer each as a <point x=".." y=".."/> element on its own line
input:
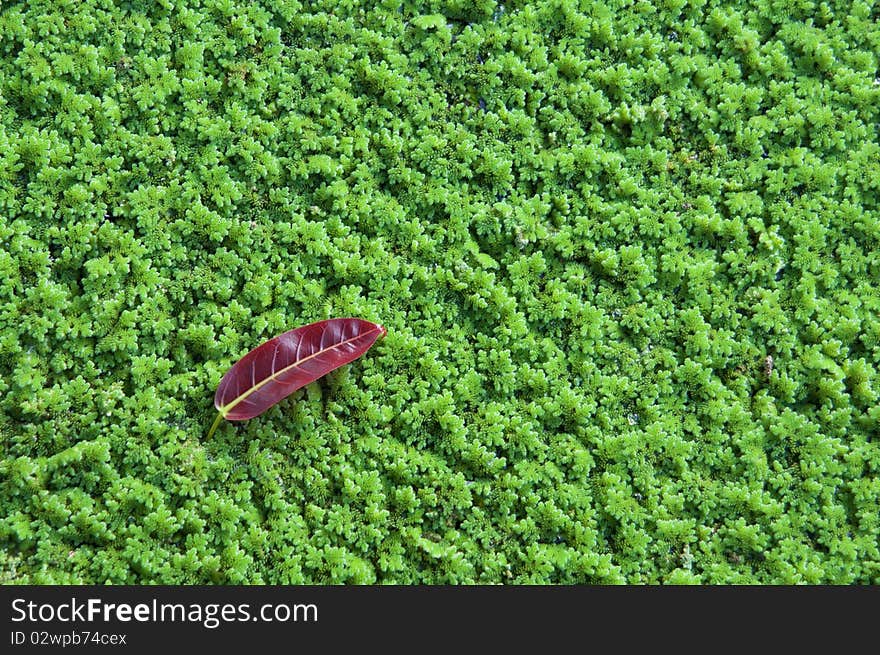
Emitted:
<point x="586" y="227"/>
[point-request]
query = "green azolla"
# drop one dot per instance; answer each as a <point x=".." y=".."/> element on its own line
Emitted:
<point x="586" y="226"/>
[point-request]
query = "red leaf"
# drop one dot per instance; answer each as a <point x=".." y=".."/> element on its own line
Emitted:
<point x="274" y="370"/>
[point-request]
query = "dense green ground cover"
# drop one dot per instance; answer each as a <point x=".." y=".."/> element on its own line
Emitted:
<point x="586" y="227"/>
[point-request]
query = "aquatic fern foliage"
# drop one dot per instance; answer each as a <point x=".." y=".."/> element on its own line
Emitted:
<point x="627" y="254"/>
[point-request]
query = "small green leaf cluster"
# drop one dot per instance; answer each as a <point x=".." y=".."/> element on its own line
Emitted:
<point x="627" y="255"/>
